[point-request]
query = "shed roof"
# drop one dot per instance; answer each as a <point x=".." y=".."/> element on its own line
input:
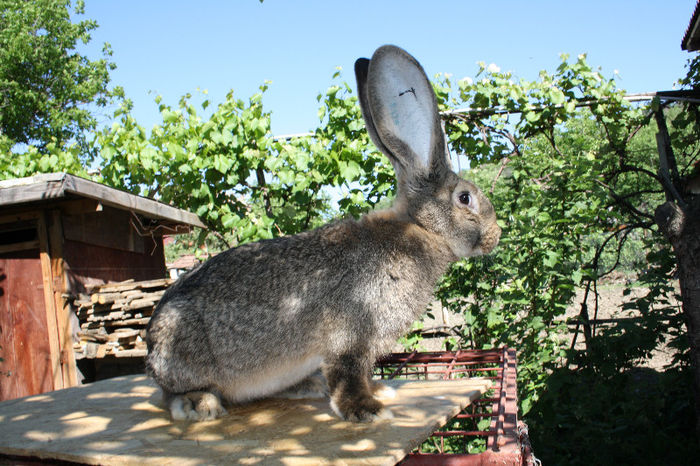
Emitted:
<point x="57" y="186"/>
<point x="691" y="39"/>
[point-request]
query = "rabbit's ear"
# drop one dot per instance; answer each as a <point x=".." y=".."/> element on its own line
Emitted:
<point x="400" y="112"/>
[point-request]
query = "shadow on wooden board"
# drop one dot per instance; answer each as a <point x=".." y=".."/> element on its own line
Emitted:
<point x="122" y="421"/>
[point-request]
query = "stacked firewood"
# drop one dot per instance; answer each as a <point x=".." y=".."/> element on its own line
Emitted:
<point x="113" y="318"/>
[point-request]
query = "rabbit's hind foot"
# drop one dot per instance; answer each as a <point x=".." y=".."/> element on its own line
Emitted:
<point x="196" y="406"/>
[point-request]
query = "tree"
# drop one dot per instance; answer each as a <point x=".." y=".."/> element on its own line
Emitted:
<point x="679" y="217"/>
<point x="575" y="178"/>
<point x="48" y="90"/>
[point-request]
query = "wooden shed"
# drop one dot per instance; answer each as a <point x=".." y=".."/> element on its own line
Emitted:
<point x="59" y="233"/>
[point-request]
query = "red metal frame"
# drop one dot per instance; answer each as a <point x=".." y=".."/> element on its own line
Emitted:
<point x="506" y="438"/>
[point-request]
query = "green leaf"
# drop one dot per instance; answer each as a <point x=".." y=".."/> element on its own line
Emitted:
<point x="349" y="170"/>
<point x="170" y="116"/>
<point x="556" y="96"/>
<point x="229" y="220"/>
<point x="531" y="116"/>
<point x="552" y="258"/>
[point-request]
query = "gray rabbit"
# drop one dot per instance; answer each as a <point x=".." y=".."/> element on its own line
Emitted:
<point x="270" y="317"/>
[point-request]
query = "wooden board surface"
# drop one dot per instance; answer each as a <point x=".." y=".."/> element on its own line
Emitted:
<point x="26" y="355"/>
<point x="121" y="421"/>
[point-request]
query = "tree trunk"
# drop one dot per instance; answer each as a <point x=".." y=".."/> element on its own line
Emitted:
<point x="682" y="228"/>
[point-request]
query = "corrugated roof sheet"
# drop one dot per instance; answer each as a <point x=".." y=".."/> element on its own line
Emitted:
<point x="691" y="38"/>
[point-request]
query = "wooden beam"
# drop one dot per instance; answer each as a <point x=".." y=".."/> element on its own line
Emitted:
<point x="38" y="187"/>
<point x="19" y="217"/>
<point x="49" y="302"/>
<point x="81" y="206"/>
<point x="23" y="246"/>
<point x="62" y="306"/>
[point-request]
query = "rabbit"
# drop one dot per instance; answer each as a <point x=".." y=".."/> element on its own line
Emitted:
<point x="315" y="310"/>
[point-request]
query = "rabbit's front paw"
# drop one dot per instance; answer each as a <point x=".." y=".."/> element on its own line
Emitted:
<point x="196" y="406"/>
<point x="364" y="410"/>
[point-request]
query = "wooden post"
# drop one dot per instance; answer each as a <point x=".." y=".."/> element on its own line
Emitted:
<point x="49" y="302"/>
<point x="62" y="306"/>
<point x="58" y="309"/>
<point x="668" y="168"/>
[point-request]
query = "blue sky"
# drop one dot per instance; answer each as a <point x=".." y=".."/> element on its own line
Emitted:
<point x="174" y="47"/>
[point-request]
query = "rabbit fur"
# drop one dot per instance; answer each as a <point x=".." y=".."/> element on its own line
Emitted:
<point x="310" y="313"/>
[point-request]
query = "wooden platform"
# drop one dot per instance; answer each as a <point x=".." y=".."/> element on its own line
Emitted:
<point x="122" y="421"/>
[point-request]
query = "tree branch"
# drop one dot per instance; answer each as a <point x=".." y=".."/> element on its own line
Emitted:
<point x="623" y="202"/>
<point x="220" y="237"/>
<point x="664" y="138"/>
<point x="504" y="162"/>
<point x="668" y="167"/>
<point x="260" y="175"/>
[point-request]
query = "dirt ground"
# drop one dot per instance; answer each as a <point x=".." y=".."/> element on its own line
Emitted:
<point x="610" y="299"/>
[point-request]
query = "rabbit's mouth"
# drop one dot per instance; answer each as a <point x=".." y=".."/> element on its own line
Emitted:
<point x="467" y="249"/>
<point x="485" y="242"/>
<point x="489" y="240"/>
<point x="478" y="243"/>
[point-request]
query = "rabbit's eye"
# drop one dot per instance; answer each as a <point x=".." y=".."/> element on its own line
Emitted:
<point x="465" y="198"/>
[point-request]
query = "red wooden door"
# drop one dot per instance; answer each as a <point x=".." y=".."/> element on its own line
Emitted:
<point x="25" y="368"/>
